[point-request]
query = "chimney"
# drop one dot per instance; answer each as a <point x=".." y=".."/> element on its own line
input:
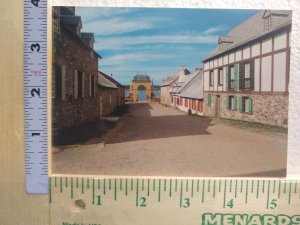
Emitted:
<point x="181" y="70"/>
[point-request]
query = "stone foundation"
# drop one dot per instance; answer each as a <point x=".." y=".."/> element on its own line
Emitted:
<point x="271" y="109"/>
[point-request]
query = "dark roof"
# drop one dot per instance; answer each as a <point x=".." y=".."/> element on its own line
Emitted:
<point x="87" y="36"/>
<point x="66" y="28"/>
<point x="67" y="10"/>
<point x="250" y="30"/>
<point x="71" y="20"/>
<point x="141" y="78"/>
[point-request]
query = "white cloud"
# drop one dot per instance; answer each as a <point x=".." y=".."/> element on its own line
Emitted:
<point x="89" y="14"/>
<point x="213" y="30"/>
<point x="132" y="58"/>
<point x="120" y="42"/>
<point x="117" y="26"/>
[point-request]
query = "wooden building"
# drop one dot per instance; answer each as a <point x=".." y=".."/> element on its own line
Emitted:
<point x="246" y="77"/>
<point x="191" y="94"/>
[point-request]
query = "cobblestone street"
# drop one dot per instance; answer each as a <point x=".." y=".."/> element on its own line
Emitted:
<point x="153" y="140"/>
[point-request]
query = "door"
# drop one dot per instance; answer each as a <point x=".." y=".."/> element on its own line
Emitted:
<point x="217" y="106"/>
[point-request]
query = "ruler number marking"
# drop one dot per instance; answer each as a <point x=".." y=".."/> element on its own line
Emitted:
<point x="35" y="46"/>
<point x="35" y="3"/>
<point x="143" y="202"/>
<point x="35" y="91"/>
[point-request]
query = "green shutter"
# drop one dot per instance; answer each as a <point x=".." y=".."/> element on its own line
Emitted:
<point x="240" y="104"/>
<point x="234" y="103"/>
<point x="252" y="75"/>
<point x="241" y="76"/>
<point x="227" y="102"/>
<point x="236" y="77"/>
<point x="250" y="105"/>
<point x="209" y="100"/>
<point x="226" y="78"/>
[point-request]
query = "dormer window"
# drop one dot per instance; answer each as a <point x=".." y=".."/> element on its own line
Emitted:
<point x="273" y="18"/>
<point x="268" y="23"/>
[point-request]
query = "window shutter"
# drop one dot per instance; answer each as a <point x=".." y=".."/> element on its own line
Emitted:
<point x="250" y="105"/>
<point x="240" y="104"/>
<point x="209" y="100"/>
<point x="63" y="83"/>
<point x="241" y="76"/>
<point x="75" y="84"/>
<point x="252" y="75"/>
<point x="236" y="76"/>
<point x="227" y="102"/>
<point x="234" y="103"/>
<point x="82" y="85"/>
<point x="226" y="78"/>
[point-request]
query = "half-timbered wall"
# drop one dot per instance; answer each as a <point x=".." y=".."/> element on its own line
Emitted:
<point x="271" y="70"/>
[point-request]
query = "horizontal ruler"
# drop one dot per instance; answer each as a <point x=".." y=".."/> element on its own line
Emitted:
<point x="135" y="201"/>
<point x="35" y="96"/>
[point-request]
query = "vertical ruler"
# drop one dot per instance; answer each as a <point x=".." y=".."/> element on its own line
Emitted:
<point x="35" y="88"/>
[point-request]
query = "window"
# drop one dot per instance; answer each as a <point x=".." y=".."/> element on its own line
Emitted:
<point x="181" y="101"/>
<point x="231" y="102"/>
<point x="220" y="76"/>
<point x="211" y="78"/>
<point x="78" y="84"/>
<point x="246" y="105"/>
<point x="268" y="23"/>
<point x="91" y="86"/>
<point x="231" y="77"/>
<point x="247" y="76"/>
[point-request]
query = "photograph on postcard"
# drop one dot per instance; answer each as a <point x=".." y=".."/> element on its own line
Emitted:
<point x="170" y="92"/>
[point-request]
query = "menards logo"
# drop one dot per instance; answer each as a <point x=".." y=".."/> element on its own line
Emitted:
<point x="245" y="219"/>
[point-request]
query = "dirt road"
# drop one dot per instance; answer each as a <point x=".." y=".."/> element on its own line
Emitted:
<point x="153" y="140"/>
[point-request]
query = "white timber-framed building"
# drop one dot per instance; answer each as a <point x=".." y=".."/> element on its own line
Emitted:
<point x="246" y="76"/>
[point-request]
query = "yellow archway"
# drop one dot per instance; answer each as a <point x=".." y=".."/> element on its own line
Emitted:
<point x="141" y="82"/>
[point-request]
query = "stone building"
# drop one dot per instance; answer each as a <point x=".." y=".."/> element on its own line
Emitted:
<point x="165" y="96"/>
<point x="246" y="77"/>
<point x="111" y="94"/>
<point x="121" y="91"/>
<point x="191" y="94"/>
<point x="74" y="72"/>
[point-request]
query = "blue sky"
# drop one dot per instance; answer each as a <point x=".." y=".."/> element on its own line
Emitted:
<point x="155" y="41"/>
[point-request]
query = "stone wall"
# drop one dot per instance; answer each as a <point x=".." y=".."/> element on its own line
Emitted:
<point x="69" y="51"/>
<point x="271" y="109"/>
<point x="108" y="100"/>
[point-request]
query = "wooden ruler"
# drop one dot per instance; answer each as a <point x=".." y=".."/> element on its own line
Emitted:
<point x="134" y="201"/>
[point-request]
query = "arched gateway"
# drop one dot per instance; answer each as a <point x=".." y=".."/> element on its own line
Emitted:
<point x="141" y="88"/>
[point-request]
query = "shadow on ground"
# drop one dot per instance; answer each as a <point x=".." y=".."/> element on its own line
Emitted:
<point x="136" y="123"/>
<point x="89" y="132"/>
